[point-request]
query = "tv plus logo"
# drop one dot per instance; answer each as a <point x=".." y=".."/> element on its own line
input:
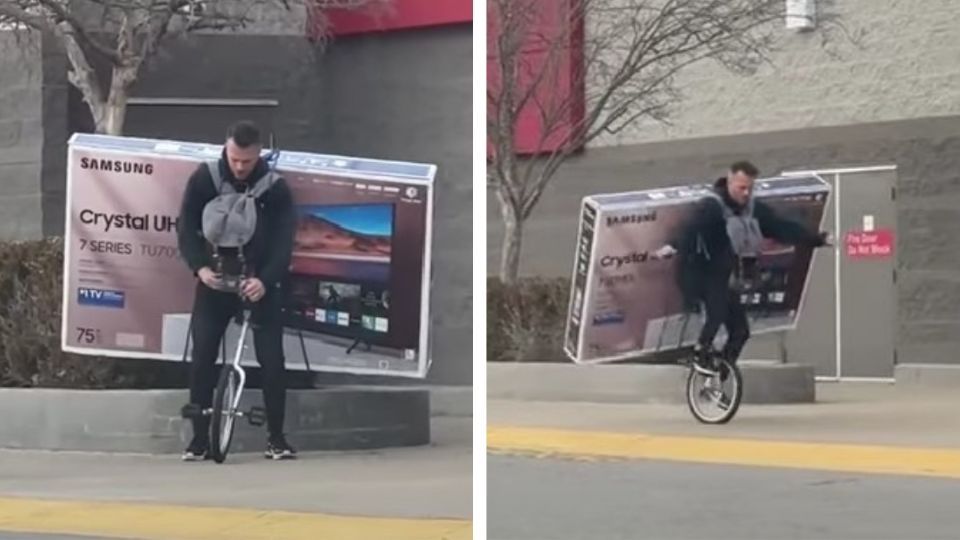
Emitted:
<point x="100" y="298"/>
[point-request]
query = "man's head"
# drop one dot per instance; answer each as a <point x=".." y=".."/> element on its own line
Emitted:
<point x="740" y="181"/>
<point x="243" y="148"/>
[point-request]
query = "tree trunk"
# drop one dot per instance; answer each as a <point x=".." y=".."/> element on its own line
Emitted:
<point x="112" y="123"/>
<point x="83" y="77"/>
<point x="512" y="242"/>
<point x="115" y="109"/>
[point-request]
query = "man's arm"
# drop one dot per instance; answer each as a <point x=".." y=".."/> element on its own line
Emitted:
<point x="689" y="278"/>
<point x="705" y="213"/>
<point x="784" y="230"/>
<point x="283" y="223"/>
<point x="190" y="239"/>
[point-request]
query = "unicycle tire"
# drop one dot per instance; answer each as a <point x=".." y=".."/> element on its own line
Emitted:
<point x="223" y="421"/>
<point x="698" y="385"/>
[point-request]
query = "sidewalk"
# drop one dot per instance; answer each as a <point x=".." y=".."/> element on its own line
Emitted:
<point x="859" y="413"/>
<point x="417" y="493"/>
<point x="869" y="428"/>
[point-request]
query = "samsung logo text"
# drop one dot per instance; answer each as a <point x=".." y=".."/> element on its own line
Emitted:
<point x="613" y="221"/>
<point x="116" y="165"/>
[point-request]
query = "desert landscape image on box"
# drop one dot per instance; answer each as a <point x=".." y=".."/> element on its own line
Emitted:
<point x="350" y="240"/>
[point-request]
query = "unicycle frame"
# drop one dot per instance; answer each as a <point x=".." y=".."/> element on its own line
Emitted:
<point x="235" y="365"/>
<point x="223" y="422"/>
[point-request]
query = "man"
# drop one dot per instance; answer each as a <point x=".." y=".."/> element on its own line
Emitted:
<point x="718" y="251"/>
<point x="267" y="258"/>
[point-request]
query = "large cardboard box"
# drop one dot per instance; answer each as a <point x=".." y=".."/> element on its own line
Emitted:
<point x="625" y="302"/>
<point x="359" y="294"/>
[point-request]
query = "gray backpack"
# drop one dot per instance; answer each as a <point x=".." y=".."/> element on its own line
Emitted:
<point x="230" y="219"/>
<point x="743" y="230"/>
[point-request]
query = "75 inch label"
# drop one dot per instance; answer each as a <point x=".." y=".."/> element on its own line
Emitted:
<point x="88" y="336"/>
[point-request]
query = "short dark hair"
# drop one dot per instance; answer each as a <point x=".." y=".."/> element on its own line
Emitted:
<point x="746" y="168"/>
<point x="244" y="134"/>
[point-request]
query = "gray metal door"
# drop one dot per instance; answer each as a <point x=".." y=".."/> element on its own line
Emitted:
<point x="860" y="306"/>
<point x="867" y="299"/>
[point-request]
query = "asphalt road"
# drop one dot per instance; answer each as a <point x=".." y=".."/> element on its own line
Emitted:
<point x="557" y="499"/>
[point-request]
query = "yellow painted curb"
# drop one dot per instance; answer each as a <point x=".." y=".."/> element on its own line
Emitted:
<point x="163" y="522"/>
<point x="757" y="453"/>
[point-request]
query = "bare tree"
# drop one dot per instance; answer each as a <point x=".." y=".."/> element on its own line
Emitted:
<point x="632" y="52"/>
<point x="124" y="34"/>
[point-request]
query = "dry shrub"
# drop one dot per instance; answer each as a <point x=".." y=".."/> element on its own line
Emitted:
<point x="31" y="281"/>
<point x="526" y="320"/>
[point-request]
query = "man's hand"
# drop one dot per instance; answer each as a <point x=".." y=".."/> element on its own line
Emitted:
<point x="664" y="252"/>
<point x="209" y="277"/>
<point x="826" y="239"/>
<point x="252" y="289"/>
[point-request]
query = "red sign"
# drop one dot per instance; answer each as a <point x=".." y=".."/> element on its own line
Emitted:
<point x="399" y="15"/>
<point x="868" y="245"/>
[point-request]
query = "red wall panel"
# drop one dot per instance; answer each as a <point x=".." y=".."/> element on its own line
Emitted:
<point x="400" y="15"/>
<point x="562" y="83"/>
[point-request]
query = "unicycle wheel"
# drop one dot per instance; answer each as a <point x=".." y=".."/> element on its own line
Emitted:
<point x="714" y="399"/>
<point x="224" y="415"/>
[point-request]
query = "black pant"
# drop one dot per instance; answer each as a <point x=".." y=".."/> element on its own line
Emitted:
<point x="212" y="312"/>
<point x="723" y="306"/>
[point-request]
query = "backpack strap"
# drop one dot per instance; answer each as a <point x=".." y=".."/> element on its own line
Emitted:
<point x="727" y="211"/>
<point x="701" y="247"/>
<point x="263" y="184"/>
<point x="259" y="187"/>
<point x="214" y="167"/>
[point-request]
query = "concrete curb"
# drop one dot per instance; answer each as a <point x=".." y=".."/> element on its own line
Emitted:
<point x="926" y="376"/>
<point x="451" y="401"/>
<point x="148" y="421"/>
<point x="764" y="382"/>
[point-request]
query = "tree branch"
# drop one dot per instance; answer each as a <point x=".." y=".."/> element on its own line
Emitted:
<point x="127" y="33"/>
<point x="14" y="13"/>
<point x="60" y="15"/>
<point x="633" y="53"/>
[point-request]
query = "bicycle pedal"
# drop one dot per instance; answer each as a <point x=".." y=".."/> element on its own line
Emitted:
<point x="257" y="416"/>
<point x="191" y="410"/>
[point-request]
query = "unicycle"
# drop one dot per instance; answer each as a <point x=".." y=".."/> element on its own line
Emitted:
<point x="226" y="401"/>
<point x="714" y="399"/>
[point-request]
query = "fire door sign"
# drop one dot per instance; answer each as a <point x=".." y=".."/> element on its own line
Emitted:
<point x="876" y="244"/>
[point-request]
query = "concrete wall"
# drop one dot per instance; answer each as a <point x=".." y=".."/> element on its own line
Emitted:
<point x="907" y="67"/>
<point x="21" y="137"/>
<point x="927" y="152"/>
<point x="398" y="95"/>
<point x="409" y="96"/>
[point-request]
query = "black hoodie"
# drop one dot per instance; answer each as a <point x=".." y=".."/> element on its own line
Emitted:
<point x="715" y="263"/>
<point x="271" y="247"/>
